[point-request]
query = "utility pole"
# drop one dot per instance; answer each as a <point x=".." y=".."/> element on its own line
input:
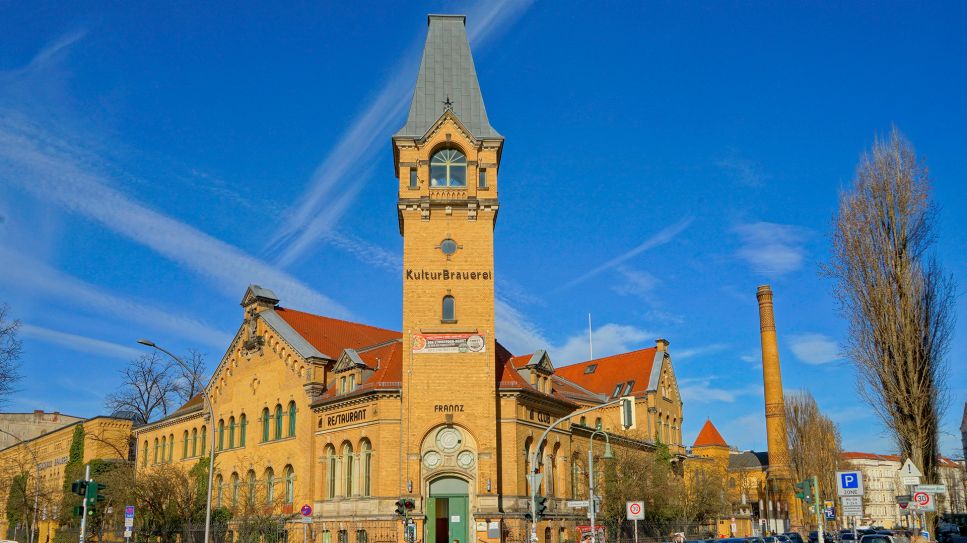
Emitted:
<point x="817" y="508"/>
<point x="87" y="477"/>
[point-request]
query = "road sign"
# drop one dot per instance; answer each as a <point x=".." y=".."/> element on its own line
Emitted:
<point x="922" y="498"/>
<point x="932" y="489"/>
<point x="852" y="506"/>
<point x="535" y="479"/>
<point x="635" y="510"/>
<point x="576" y="503"/>
<point x="128" y="517"/>
<point x="910" y="480"/>
<point x="849" y="483"/>
<point x="909" y="470"/>
<point x="829" y="511"/>
<point x="127" y="534"/>
<point x="903" y="500"/>
<point x="306" y="510"/>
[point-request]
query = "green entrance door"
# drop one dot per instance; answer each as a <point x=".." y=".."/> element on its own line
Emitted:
<point x="447" y="511"/>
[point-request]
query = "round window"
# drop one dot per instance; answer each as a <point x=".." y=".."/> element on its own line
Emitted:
<point x="448" y="246"/>
<point x="449" y="439"/>
<point x="465" y="459"/>
<point x="432" y="459"/>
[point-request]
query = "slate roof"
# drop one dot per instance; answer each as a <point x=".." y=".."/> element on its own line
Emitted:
<point x="749" y="459"/>
<point x="709" y="436"/>
<point x="447" y="72"/>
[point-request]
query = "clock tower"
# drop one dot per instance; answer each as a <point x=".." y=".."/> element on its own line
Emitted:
<point x="447" y="159"/>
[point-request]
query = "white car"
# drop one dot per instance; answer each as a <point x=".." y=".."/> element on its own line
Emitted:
<point x="877" y="538"/>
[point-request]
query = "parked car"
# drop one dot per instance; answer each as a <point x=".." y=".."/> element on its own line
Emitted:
<point x="782" y="539"/>
<point x="755" y="540"/>
<point x="877" y="538"/>
<point x="794" y="537"/>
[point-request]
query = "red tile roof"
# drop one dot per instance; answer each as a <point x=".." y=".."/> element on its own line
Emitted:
<point x="331" y="336"/>
<point x="387" y="363"/>
<point x="709" y="436"/>
<point x="852" y="455"/>
<point x="611" y="370"/>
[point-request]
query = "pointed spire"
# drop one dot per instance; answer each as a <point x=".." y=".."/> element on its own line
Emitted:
<point x="447" y="82"/>
<point x="709" y="436"/>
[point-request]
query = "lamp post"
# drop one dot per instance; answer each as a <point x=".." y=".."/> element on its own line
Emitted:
<point x="607" y="456"/>
<point x="33" y="523"/>
<point x="211" y="450"/>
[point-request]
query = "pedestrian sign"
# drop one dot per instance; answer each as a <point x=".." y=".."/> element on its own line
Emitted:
<point x="849" y="483"/>
<point x="909" y="470"/>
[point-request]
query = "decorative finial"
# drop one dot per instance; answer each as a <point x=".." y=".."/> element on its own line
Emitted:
<point x="447" y="104"/>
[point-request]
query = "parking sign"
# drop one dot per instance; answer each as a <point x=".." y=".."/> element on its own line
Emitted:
<point x="849" y="483"/>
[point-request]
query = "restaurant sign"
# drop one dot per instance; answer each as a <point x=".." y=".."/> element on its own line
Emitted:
<point x="448" y="343"/>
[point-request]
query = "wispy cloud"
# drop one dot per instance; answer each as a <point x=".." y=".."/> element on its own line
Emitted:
<point x="662" y="237"/>
<point x="40" y="279"/>
<point x="745" y="171"/>
<point x="608" y="339"/>
<point x="770" y="248"/>
<point x="815" y="349"/>
<point x="55" y="171"/>
<point x="330" y="193"/>
<point x="701" y="350"/>
<point x="636" y="283"/>
<point x="80" y="343"/>
<point x="701" y="390"/>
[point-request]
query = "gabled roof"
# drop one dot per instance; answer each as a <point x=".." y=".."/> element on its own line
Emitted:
<point x="447" y="74"/>
<point x="331" y="336"/>
<point x="386" y="361"/>
<point x="709" y="436"/>
<point x="609" y="371"/>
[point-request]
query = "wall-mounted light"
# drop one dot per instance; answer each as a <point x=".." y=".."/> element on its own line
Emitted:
<point x="409" y="485"/>
<point x="488" y="485"/>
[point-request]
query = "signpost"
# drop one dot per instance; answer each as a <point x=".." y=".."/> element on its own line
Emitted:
<point x="635" y="511"/>
<point x="128" y="521"/>
<point x="932" y="489"/>
<point x="910" y="475"/>
<point x="829" y="510"/>
<point x="849" y="483"/>
<point x="306" y="511"/>
<point x="576" y="503"/>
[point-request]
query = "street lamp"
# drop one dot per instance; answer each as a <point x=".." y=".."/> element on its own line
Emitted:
<point x="607" y="456"/>
<point x="33" y="524"/>
<point x="211" y="422"/>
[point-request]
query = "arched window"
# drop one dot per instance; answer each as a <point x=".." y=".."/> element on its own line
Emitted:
<point x="366" y="457"/>
<point x="221" y="434"/>
<point x="269" y="486"/>
<point x="575" y="477"/>
<point x="265" y="425"/>
<point x="218" y="490"/>
<point x="278" y="421"/>
<point x="235" y="488"/>
<point x="144" y="453"/>
<point x="291" y="419"/>
<point x="194" y="441"/>
<point x="171" y="447"/>
<point x="204" y="439"/>
<point x="550" y="467"/>
<point x="584" y="421"/>
<point x="331" y="472"/>
<point x="449" y="312"/>
<point x="163" y="441"/>
<point x="289" y="484"/>
<point x="347" y="465"/>
<point x="231" y="432"/>
<point x="362" y="536"/>
<point x="448" y="168"/>
<point x="184" y="446"/>
<point x="597" y="423"/>
<point x="251" y="487"/>
<point x="241" y="430"/>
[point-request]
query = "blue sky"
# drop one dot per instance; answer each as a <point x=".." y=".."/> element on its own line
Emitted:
<point x="661" y="161"/>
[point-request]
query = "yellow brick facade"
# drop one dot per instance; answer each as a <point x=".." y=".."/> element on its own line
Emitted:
<point x="45" y="458"/>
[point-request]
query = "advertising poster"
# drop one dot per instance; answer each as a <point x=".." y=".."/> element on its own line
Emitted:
<point x="448" y="343"/>
<point x="585" y="533"/>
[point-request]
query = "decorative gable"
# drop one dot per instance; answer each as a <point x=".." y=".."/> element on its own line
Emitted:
<point x="348" y="360"/>
<point x="541" y="362"/>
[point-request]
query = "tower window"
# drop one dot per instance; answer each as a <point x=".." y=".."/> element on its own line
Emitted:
<point x="448" y="168"/>
<point x="448" y="309"/>
<point x="482" y="178"/>
<point x="414" y="182"/>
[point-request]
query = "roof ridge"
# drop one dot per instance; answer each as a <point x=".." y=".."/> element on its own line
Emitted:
<point x="283" y="308"/>
<point x="606" y="358"/>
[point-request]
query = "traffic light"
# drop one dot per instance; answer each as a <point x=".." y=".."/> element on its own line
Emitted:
<point x="401" y="508"/>
<point x="540" y="506"/>
<point x="79" y="488"/>
<point x="93" y="496"/>
<point x="409" y="505"/>
<point x="805" y="491"/>
<point x="628" y="412"/>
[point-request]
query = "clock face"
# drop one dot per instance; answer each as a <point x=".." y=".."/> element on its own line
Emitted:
<point x="448" y="246"/>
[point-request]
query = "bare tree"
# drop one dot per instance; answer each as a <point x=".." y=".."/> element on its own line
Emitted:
<point x="10" y="349"/>
<point x="191" y="381"/>
<point x="895" y="295"/>
<point x="148" y="389"/>
<point x="815" y="445"/>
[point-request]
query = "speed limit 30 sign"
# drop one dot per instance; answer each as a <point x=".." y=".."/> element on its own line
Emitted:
<point x="635" y="510"/>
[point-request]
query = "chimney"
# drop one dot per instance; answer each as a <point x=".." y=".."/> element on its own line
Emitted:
<point x="661" y="344"/>
<point x="772" y="385"/>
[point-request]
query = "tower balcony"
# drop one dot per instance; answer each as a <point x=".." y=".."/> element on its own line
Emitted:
<point x="448" y="193"/>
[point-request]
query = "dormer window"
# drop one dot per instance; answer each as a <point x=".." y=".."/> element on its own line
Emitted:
<point x="628" y="387"/>
<point x="617" y="390"/>
<point x="590" y="369"/>
<point x="448" y="168"/>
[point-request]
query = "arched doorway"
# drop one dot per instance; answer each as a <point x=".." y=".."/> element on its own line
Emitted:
<point x="447" y="511"/>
